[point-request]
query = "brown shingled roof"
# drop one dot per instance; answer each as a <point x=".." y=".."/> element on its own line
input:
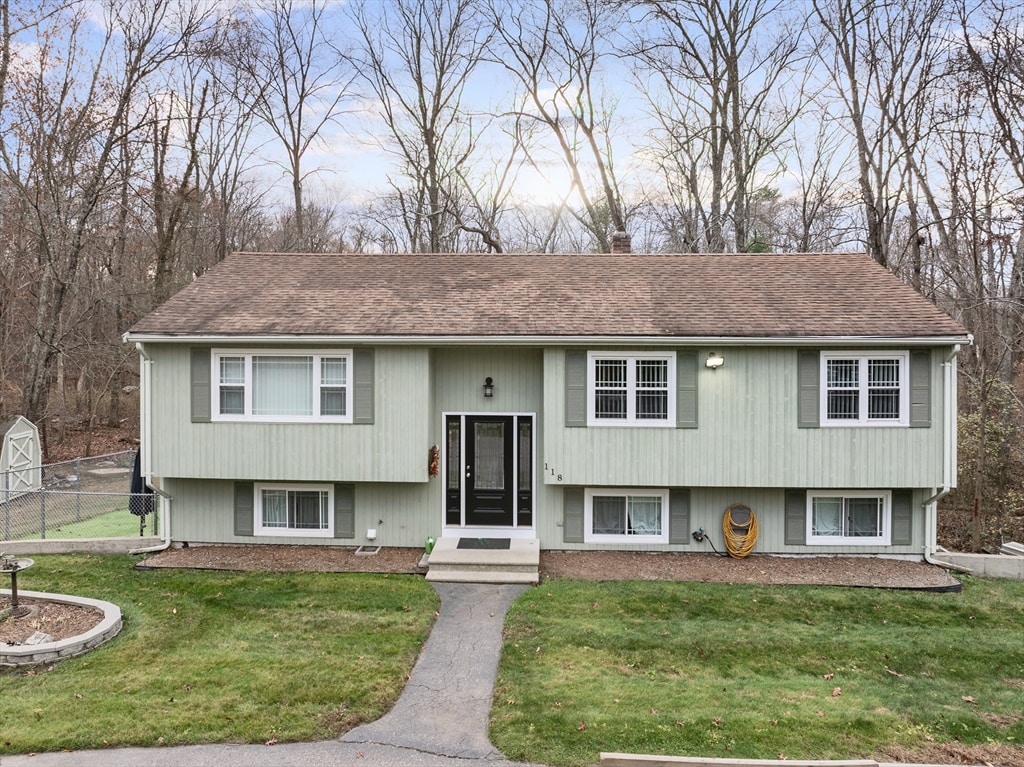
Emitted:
<point x="688" y="296"/>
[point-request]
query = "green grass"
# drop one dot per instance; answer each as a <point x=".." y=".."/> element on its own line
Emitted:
<point x="757" y="672"/>
<point x="113" y="524"/>
<point x="218" y="657"/>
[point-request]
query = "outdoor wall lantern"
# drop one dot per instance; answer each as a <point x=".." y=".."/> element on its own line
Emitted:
<point x="714" y="361"/>
<point x="488" y="387"/>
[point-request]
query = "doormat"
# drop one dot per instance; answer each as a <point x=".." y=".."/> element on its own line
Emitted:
<point x="484" y="543"/>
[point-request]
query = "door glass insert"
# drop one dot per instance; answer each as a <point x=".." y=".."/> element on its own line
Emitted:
<point x="489" y="456"/>
<point x="525" y="453"/>
<point x="454" y="467"/>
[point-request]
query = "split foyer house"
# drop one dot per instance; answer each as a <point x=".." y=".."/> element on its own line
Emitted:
<point x="576" y="401"/>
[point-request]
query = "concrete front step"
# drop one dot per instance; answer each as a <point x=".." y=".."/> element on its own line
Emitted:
<point x="480" y="576"/>
<point x="519" y="563"/>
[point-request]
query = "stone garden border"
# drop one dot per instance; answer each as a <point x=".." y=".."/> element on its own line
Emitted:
<point x="51" y="652"/>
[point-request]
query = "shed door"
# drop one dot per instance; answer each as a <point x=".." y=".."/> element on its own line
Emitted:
<point x="21" y="473"/>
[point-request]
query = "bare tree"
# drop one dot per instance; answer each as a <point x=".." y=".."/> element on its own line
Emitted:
<point x="296" y="78"/>
<point x="61" y="158"/>
<point x="556" y="53"/>
<point x="417" y="57"/>
<point x="718" y="68"/>
<point x="993" y="47"/>
<point x="883" y="57"/>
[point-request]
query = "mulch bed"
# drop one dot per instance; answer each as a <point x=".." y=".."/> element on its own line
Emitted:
<point x="875" y="572"/>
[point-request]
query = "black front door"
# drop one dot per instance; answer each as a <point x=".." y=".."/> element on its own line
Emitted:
<point x="489" y="465"/>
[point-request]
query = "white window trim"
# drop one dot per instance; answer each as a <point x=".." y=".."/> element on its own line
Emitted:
<point x="630" y="357"/>
<point x="885" y="539"/>
<point x="260" y="529"/>
<point x="588" y="515"/>
<point x="863" y="356"/>
<point x="248" y="354"/>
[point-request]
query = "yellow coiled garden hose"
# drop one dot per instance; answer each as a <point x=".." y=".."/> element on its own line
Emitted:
<point x="740" y="534"/>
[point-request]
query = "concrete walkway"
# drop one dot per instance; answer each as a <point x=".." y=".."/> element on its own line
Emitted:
<point x="440" y="719"/>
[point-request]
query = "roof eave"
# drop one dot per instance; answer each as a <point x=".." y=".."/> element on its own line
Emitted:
<point x="549" y="340"/>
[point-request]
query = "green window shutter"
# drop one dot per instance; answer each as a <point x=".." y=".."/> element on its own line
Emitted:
<point x="902" y="518"/>
<point x="920" y="389"/>
<point x="679" y="515"/>
<point x="575" y="388"/>
<point x="362" y="383"/>
<point x="796" y="517"/>
<point x="201" y="392"/>
<point x="808" y="403"/>
<point x="572" y="515"/>
<point x="244" y="510"/>
<point x="686" y="392"/>
<point x="344" y="511"/>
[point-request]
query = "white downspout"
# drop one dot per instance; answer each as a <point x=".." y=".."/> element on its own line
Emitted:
<point x="146" y="443"/>
<point x="949" y="420"/>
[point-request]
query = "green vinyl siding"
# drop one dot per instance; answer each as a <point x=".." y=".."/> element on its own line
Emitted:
<point x="390" y="449"/>
<point x="748" y="435"/>
<point x="403" y="514"/>
<point x="459" y="373"/>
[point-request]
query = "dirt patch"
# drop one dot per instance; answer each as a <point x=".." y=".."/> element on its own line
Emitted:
<point x="58" y="620"/>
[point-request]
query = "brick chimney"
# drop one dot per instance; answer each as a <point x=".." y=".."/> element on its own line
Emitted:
<point x="621" y="243"/>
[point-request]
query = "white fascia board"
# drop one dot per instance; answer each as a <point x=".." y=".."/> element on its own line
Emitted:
<point x="540" y="340"/>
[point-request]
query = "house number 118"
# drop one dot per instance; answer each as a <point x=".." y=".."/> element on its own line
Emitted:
<point x="558" y="477"/>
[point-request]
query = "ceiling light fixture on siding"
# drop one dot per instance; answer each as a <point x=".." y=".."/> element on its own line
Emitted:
<point x="714" y="361"/>
<point x="488" y="387"/>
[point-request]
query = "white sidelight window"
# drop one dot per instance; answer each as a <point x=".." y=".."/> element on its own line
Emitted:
<point x="294" y="510"/>
<point x="615" y="515"/>
<point x="849" y="518"/>
<point x="282" y="387"/>
<point x="631" y="389"/>
<point x="864" y="389"/>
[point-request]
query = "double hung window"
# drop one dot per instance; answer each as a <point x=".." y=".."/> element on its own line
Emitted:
<point x="863" y="390"/>
<point x="631" y="389"/>
<point x="282" y="387"/>
<point x="625" y="516"/>
<point x="294" y="510"/>
<point x="848" y="517"/>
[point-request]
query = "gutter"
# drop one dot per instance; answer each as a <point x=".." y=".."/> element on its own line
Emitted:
<point x="146" y="442"/>
<point x="548" y="340"/>
<point x="948" y="465"/>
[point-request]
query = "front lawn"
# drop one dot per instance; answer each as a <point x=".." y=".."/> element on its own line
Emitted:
<point x="759" y="672"/>
<point x="218" y="657"/>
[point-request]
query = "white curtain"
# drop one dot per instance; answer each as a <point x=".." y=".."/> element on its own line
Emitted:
<point x="827" y="517"/>
<point x="275" y="508"/>
<point x="644" y="515"/>
<point x="609" y="514"/>
<point x="282" y="386"/>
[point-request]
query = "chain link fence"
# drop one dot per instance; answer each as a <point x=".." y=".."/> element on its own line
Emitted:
<point x="85" y="498"/>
